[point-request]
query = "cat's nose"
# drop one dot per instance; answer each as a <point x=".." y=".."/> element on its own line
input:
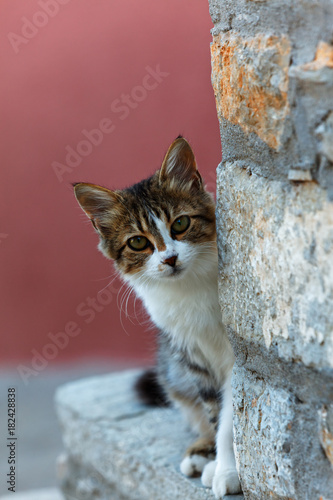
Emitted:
<point x="171" y="261"/>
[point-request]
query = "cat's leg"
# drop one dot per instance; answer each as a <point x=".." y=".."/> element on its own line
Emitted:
<point x="197" y="456"/>
<point x="223" y="471"/>
<point x="195" y="414"/>
<point x="202" y="451"/>
<point x="189" y="386"/>
<point x="208" y="474"/>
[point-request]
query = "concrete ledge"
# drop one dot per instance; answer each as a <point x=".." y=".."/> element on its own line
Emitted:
<point x="44" y="494"/>
<point x="117" y="448"/>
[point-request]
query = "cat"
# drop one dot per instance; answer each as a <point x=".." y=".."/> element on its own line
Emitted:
<point x="161" y="235"/>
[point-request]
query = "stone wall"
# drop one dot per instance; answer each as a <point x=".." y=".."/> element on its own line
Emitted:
<point x="272" y="74"/>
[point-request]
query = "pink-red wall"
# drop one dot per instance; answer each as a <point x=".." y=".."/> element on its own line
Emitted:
<point x="140" y="73"/>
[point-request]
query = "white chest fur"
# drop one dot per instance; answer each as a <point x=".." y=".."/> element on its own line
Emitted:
<point x="188" y="311"/>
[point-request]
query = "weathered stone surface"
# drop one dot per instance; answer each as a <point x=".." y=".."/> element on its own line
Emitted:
<point x="44" y="494"/>
<point x="326" y="431"/>
<point x="276" y="243"/>
<point x="324" y="133"/>
<point x="270" y="440"/>
<point x="272" y="99"/>
<point x="280" y="440"/>
<point x="276" y="295"/>
<point x="299" y="175"/>
<point x="272" y="74"/>
<point x="250" y="81"/>
<point x="317" y="71"/>
<point x="305" y="22"/>
<point x="118" y="449"/>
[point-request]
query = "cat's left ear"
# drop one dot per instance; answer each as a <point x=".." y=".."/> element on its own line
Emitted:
<point x="179" y="166"/>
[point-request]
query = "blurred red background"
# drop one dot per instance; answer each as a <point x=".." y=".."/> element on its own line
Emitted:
<point x="66" y="66"/>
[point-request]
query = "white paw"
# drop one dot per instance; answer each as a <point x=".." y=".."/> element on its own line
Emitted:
<point x="208" y="474"/>
<point x="226" y="482"/>
<point x="193" y="465"/>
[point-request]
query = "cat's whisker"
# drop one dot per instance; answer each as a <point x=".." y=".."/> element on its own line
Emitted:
<point x="126" y="305"/>
<point x="135" y="309"/>
<point x="114" y="275"/>
<point x="110" y="283"/>
<point x="120" y="307"/>
<point x="208" y="251"/>
<point x="118" y="296"/>
<point x="207" y="256"/>
<point x="125" y="300"/>
<point x="122" y="311"/>
<point x="136" y="299"/>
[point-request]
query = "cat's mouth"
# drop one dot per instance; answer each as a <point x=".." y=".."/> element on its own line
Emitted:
<point x="175" y="272"/>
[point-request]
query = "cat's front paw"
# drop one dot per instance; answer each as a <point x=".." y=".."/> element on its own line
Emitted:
<point x="208" y="474"/>
<point x="193" y="466"/>
<point x="226" y="482"/>
<point x="198" y="455"/>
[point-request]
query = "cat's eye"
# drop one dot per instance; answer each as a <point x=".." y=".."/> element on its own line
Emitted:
<point x="180" y="225"/>
<point x="138" y="243"/>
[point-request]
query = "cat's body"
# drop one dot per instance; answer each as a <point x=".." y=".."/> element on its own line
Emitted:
<point x="188" y="312"/>
<point x="161" y="235"/>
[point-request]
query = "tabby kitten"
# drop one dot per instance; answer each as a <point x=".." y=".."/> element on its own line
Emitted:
<point x="161" y="236"/>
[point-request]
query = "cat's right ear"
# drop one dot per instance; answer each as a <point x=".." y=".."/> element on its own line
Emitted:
<point x="98" y="203"/>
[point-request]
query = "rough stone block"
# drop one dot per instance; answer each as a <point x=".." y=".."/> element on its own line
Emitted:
<point x="324" y="133"/>
<point x="272" y="74"/>
<point x="117" y="448"/>
<point x="266" y="444"/>
<point x="273" y="82"/>
<point x="250" y="81"/>
<point x="44" y="494"/>
<point x="318" y="70"/>
<point x="276" y="286"/>
<point x="276" y="295"/>
<point x="283" y="443"/>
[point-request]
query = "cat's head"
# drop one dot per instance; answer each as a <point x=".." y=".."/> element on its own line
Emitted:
<point x="159" y="229"/>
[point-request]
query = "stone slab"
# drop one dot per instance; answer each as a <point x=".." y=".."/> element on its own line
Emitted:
<point x="276" y="265"/>
<point x="272" y="75"/>
<point x="276" y="291"/>
<point x="44" y="494"/>
<point x="250" y="81"/>
<point x="119" y="449"/>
